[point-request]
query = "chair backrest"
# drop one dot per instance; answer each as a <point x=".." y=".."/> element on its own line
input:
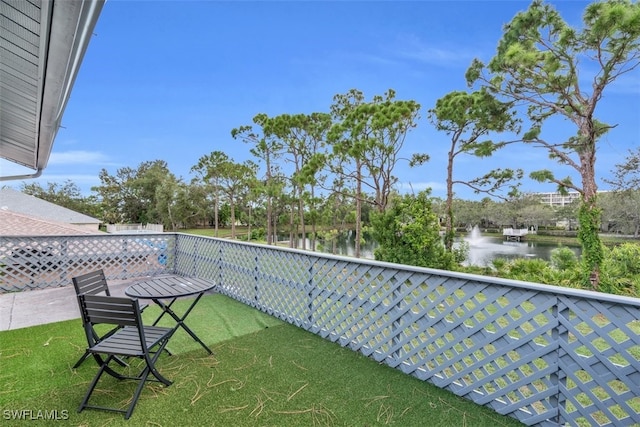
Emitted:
<point x="93" y="283"/>
<point x="102" y="309"/>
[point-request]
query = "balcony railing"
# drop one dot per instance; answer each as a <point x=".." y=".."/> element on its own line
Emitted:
<point x="542" y="354"/>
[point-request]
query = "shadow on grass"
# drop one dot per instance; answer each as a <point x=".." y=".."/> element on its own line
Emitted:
<point x="263" y="373"/>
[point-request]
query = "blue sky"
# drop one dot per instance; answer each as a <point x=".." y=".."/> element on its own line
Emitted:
<point x="169" y="80"/>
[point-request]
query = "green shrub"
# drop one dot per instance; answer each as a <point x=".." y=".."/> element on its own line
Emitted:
<point x="626" y="257"/>
<point x="620" y="272"/>
<point x="563" y="258"/>
<point x="530" y="270"/>
<point x="500" y="264"/>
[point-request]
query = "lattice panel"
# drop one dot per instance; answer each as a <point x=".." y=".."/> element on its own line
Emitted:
<point x="495" y="344"/>
<point x="284" y="280"/>
<point x="198" y="257"/>
<point x="50" y="261"/>
<point x="600" y="360"/>
<point x="238" y="269"/>
<point x="490" y="344"/>
<point x="351" y="304"/>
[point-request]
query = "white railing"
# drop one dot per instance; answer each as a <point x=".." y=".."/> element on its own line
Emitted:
<point x="134" y="228"/>
<point x="515" y="232"/>
<point x="542" y="354"/>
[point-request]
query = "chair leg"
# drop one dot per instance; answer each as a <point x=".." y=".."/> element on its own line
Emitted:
<point x="151" y="365"/>
<point x="104" y="365"/>
<point x="93" y="384"/>
<point x="86" y="355"/>
<point x="82" y="359"/>
<point x="142" y="378"/>
<point x="136" y="395"/>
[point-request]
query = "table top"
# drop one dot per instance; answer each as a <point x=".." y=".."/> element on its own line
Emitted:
<point x="168" y="287"/>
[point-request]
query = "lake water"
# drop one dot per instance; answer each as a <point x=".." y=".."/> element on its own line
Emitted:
<point x="482" y="249"/>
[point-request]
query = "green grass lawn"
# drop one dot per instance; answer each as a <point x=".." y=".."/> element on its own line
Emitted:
<point x="263" y="372"/>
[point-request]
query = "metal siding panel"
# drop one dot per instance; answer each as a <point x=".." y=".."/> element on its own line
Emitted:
<point x="41" y="47"/>
<point x="20" y="24"/>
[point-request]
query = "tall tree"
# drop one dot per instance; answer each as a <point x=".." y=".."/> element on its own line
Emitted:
<point x="624" y="202"/>
<point x="130" y="195"/>
<point x="235" y="181"/>
<point x="166" y="197"/>
<point x="347" y="140"/>
<point x="266" y="148"/>
<point x="467" y="118"/>
<point x="209" y="169"/>
<point x="193" y="204"/>
<point x="626" y="175"/>
<point x="149" y="177"/>
<point x="543" y="63"/>
<point x="303" y="136"/>
<point x="366" y="140"/>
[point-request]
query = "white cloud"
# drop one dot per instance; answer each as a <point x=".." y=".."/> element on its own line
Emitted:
<point x="8" y="168"/>
<point x="413" y="48"/>
<point x="77" y="157"/>
<point x="371" y="58"/>
<point x="83" y="181"/>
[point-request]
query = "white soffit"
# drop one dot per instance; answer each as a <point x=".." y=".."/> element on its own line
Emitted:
<point x="42" y="43"/>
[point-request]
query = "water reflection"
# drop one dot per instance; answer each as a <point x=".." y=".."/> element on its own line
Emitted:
<point x="482" y="249"/>
<point x="345" y="245"/>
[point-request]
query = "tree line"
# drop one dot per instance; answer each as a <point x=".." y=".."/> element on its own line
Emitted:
<point x="342" y="161"/>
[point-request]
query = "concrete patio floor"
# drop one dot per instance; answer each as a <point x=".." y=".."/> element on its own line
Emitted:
<point x="37" y="307"/>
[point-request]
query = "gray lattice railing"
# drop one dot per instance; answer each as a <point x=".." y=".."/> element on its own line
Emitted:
<point x="542" y="354"/>
<point x="34" y="262"/>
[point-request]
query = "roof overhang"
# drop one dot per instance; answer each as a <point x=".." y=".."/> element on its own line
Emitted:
<point x="42" y="43"/>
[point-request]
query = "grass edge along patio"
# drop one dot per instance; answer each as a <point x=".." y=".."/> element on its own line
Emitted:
<point x="543" y="355"/>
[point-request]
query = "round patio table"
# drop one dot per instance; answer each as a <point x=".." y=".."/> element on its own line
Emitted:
<point x="164" y="291"/>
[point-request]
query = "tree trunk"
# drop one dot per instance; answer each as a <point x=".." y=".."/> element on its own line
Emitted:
<point x="293" y="236"/>
<point x="358" y="209"/>
<point x="334" y="240"/>
<point x="449" y="233"/>
<point x="216" y="209"/>
<point x="269" y="204"/>
<point x="301" y="213"/>
<point x="233" y="217"/>
<point x="249" y="225"/>
<point x="314" y="230"/>
<point x="589" y="218"/>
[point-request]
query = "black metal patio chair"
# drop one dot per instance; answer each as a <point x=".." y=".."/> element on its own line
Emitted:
<point x="93" y="283"/>
<point x="131" y="339"/>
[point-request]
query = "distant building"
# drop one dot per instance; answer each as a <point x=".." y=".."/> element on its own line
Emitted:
<point x="555" y="199"/>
